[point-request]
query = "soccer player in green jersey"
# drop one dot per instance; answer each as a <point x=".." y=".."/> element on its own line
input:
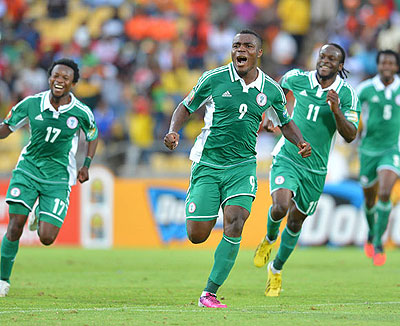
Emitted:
<point x="224" y="164"/>
<point x="325" y="103"/>
<point x="379" y="149"/>
<point x="46" y="169"/>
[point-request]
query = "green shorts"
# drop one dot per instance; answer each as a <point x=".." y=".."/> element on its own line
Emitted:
<point x="23" y="192"/>
<point x="371" y="164"/>
<point x="306" y="186"/>
<point x="212" y="188"/>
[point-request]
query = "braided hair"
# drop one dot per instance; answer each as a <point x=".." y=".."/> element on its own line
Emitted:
<point x="342" y="73"/>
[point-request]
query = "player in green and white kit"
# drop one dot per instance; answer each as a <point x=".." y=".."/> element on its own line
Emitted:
<point x="224" y="162"/>
<point x="46" y="169"/>
<point x="379" y="149"/>
<point x="325" y="103"/>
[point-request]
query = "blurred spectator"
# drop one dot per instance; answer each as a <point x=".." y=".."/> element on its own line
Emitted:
<point x="220" y="42"/>
<point x="104" y="117"/>
<point x="31" y="80"/>
<point x="295" y="17"/>
<point x="138" y="59"/>
<point x="57" y="8"/>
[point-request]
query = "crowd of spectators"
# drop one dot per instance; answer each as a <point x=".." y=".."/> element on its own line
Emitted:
<point x="138" y="59"/>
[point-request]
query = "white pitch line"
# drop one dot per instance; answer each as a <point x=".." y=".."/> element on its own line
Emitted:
<point x="169" y="309"/>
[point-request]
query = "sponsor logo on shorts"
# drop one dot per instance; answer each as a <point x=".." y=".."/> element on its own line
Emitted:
<point x="15" y="192"/>
<point x="72" y="122"/>
<point x="261" y="99"/>
<point x="364" y="179"/>
<point x="192" y="207"/>
<point x="279" y="180"/>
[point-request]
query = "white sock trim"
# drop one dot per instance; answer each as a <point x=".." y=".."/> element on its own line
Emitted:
<point x="273" y="269"/>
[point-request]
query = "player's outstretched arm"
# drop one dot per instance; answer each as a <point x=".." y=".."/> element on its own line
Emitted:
<point x="83" y="174"/>
<point x="179" y="117"/>
<point x="292" y="133"/>
<point x="345" y="128"/>
<point x="4" y="130"/>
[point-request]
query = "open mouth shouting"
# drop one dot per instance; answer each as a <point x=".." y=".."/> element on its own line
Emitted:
<point x="241" y="61"/>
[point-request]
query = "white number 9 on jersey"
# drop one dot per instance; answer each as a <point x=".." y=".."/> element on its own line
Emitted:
<point x="242" y="110"/>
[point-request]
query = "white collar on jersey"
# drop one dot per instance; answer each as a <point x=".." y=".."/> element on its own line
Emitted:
<point x="314" y="82"/>
<point x="258" y="83"/>
<point x="379" y="86"/>
<point x="46" y="105"/>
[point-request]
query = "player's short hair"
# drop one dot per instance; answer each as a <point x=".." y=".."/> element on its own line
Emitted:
<point x="388" y="52"/>
<point x="342" y="73"/>
<point x="69" y="63"/>
<point x="249" y="31"/>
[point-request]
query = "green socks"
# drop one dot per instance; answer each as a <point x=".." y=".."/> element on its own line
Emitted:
<point x="383" y="211"/>
<point x="288" y="243"/>
<point x="272" y="227"/>
<point x="224" y="259"/>
<point x="9" y="250"/>
<point x="370" y="215"/>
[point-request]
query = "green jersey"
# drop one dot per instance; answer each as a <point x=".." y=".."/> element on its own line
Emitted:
<point x="313" y="116"/>
<point x="49" y="157"/>
<point x="381" y="115"/>
<point x="233" y="115"/>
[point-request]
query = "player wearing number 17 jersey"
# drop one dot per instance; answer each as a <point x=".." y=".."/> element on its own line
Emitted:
<point x="325" y="103"/>
<point x="46" y="169"/>
<point x="224" y="165"/>
<point x="379" y="149"/>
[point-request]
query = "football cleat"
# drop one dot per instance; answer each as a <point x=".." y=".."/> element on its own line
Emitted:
<point x="369" y="249"/>
<point x="379" y="258"/>
<point x="262" y="253"/>
<point x="274" y="283"/>
<point x="33" y="219"/>
<point x="209" y="300"/>
<point x="4" y="288"/>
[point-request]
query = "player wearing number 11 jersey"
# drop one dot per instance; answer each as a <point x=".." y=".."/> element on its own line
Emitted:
<point x="325" y="103"/>
<point x="46" y="169"/>
<point x="224" y="165"/>
<point x="379" y="149"/>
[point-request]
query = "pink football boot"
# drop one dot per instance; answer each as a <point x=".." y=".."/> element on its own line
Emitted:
<point x="209" y="300"/>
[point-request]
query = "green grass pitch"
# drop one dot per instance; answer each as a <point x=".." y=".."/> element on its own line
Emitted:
<point x="322" y="286"/>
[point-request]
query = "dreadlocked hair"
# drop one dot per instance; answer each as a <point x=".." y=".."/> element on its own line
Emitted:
<point x="342" y="73"/>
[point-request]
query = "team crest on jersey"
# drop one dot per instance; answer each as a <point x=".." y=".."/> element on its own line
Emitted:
<point x="280" y="179"/>
<point x="192" y="207"/>
<point x="72" y="122"/>
<point x="15" y="192"/>
<point x="261" y="99"/>
<point x="397" y="99"/>
<point x="189" y="98"/>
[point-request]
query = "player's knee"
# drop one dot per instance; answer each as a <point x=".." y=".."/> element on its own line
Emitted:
<point x="47" y="239"/>
<point x="14" y="231"/>
<point x="369" y="203"/>
<point x="294" y="225"/>
<point x="196" y="238"/>
<point x="384" y="196"/>
<point x="279" y="210"/>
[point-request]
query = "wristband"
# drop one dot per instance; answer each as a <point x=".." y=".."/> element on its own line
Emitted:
<point x="87" y="162"/>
